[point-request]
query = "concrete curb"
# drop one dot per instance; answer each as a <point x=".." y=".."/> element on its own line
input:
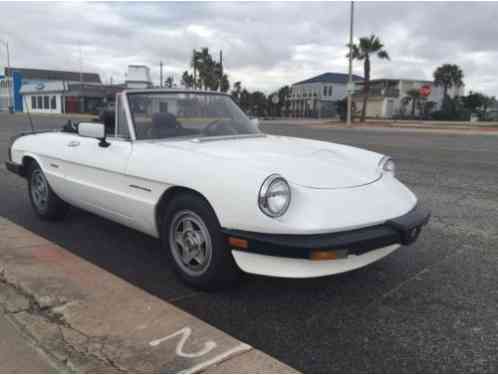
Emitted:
<point x="89" y="320"/>
<point x="407" y="129"/>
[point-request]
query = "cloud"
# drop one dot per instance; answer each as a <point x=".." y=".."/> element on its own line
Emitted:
<point x="265" y="45"/>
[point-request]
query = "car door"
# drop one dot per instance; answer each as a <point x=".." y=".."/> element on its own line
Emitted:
<point x="96" y="175"/>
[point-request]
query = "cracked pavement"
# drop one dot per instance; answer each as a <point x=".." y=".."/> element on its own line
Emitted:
<point x="50" y="331"/>
<point x="88" y="320"/>
<point x="430" y="307"/>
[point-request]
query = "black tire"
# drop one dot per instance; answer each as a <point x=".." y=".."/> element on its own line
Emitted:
<point x="220" y="271"/>
<point x="54" y="207"/>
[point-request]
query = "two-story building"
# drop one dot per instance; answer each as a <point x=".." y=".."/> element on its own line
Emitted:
<point x="317" y="96"/>
<point x="388" y="98"/>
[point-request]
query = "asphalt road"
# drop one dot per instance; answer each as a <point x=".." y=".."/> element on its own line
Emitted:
<point x="430" y="307"/>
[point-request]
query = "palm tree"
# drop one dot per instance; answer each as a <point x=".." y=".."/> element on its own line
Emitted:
<point x="208" y="72"/>
<point x="448" y="76"/>
<point x="225" y="83"/>
<point x="237" y="89"/>
<point x="363" y="51"/>
<point x="187" y="80"/>
<point x="195" y="64"/>
<point x="414" y="96"/>
<point x="206" y="67"/>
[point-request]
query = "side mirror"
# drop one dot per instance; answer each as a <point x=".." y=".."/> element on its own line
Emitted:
<point x="93" y="130"/>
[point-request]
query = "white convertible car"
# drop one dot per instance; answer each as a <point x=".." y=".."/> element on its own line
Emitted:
<point x="190" y="168"/>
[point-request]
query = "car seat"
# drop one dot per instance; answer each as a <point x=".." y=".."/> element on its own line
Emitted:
<point x="164" y="125"/>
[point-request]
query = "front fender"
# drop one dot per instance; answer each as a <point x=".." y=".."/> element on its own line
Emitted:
<point x="233" y="191"/>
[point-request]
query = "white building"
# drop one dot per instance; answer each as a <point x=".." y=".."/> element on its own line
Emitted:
<point x="138" y="77"/>
<point x="46" y="86"/>
<point x="5" y="96"/>
<point x="385" y="98"/>
<point x="317" y="96"/>
<point x="44" y="97"/>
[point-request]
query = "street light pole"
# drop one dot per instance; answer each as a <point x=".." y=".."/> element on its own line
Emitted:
<point x="350" y="79"/>
<point x="9" y="82"/>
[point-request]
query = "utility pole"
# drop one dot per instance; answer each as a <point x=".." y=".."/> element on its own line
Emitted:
<point x="82" y="99"/>
<point x="350" y="79"/>
<point x="221" y="69"/>
<point x="160" y="74"/>
<point x="194" y="57"/>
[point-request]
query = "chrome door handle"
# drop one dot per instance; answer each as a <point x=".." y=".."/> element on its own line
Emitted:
<point x="73" y="144"/>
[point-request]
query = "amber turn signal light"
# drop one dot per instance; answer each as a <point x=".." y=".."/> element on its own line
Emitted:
<point x="323" y="255"/>
<point x="237" y="242"/>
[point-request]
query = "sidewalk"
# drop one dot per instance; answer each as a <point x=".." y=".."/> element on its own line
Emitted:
<point x="403" y="125"/>
<point x="90" y="320"/>
<point x="18" y="354"/>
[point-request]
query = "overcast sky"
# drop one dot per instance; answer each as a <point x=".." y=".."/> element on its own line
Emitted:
<point x="265" y="45"/>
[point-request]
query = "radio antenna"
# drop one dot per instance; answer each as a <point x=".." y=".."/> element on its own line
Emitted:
<point x="29" y="114"/>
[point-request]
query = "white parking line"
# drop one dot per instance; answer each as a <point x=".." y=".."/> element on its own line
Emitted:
<point x="219" y="358"/>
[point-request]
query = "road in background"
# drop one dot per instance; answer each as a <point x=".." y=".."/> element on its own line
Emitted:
<point x="430" y="307"/>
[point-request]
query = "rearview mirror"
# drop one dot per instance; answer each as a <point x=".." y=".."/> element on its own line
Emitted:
<point x="93" y="130"/>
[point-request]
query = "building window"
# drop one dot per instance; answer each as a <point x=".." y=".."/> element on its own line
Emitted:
<point x="53" y="104"/>
<point x="45" y="102"/>
<point x="33" y="102"/>
<point x="163" y="107"/>
<point x="330" y="90"/>
<point x="40" y="102"/>
<point x="324" y="90"/>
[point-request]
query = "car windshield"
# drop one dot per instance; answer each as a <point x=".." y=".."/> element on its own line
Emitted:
<point x="187" y="114"/>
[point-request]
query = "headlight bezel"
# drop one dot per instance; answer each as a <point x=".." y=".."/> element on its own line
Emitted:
<point x="387" y="165"/>
<point x="263" y="195"/>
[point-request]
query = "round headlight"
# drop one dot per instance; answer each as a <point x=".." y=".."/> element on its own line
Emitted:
<point x="274" y="196"/>
<point x="387" y="165"/>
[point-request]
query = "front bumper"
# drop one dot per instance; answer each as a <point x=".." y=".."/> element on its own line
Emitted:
<point x="402" y="230"/>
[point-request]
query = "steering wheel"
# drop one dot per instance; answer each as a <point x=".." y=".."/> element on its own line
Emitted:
<point x="215" y="125"/>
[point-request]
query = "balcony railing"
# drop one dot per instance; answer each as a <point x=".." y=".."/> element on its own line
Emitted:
<point x="379" y="91"/>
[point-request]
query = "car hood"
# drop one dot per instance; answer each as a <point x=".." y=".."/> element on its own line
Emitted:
<point x="304" y="162"/>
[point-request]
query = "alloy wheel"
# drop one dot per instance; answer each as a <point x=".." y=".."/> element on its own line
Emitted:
<point x="39" y="190"/>
<point x="190" y="242"/>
